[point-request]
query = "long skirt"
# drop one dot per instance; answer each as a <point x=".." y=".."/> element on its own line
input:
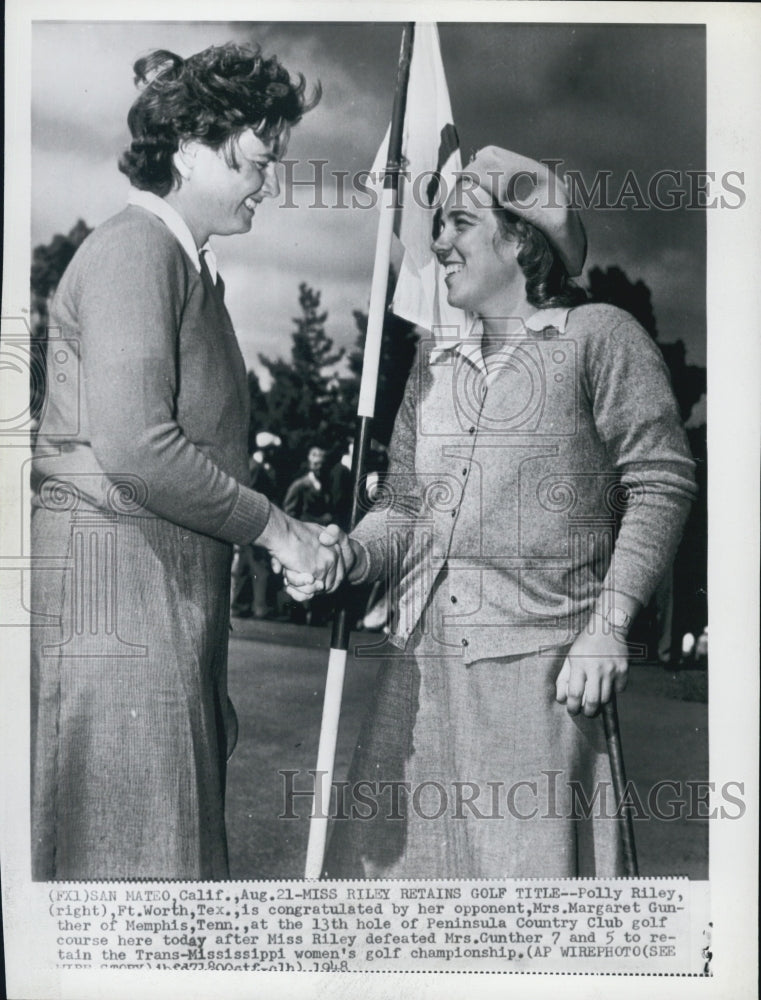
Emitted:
<point x="131" y="723"/>
<point x="474" y="771"/>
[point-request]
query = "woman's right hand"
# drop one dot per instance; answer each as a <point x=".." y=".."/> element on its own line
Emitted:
<point x="353" y="558"/>
<point x="295" y="548"/>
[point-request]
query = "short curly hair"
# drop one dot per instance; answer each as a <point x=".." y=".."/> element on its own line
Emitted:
<point x="213" y="97"/>
<point x="548" y="284"/>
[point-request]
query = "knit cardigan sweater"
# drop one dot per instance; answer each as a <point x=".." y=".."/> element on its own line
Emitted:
<point x="563" y="471"/>
<point x="151" y="416"/>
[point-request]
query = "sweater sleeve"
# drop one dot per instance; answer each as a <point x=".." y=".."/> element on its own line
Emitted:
<point x="638" y="421"/>
<point x="400" y="492"/>
<point x="130" y="301"/>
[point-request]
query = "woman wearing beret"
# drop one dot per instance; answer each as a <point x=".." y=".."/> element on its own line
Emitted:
<point x="538" y="484"/>
<point x="141" y="488"/>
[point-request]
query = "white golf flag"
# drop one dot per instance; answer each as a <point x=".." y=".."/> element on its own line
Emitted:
<point x="431" y="154"/>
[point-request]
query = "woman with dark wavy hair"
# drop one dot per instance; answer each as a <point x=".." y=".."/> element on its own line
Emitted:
<point x="141" y="487"/>
<point x="539" y="479"/>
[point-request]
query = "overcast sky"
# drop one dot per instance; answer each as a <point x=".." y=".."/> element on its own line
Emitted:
<point x="616" y="98"/>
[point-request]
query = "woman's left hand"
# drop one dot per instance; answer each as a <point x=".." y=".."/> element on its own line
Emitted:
<point x="597" y="663"/>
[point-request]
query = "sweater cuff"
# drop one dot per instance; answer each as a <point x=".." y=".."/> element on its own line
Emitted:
<point x="374" y="562"/>
<point x="248" y="518"/>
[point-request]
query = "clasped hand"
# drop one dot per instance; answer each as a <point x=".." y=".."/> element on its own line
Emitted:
<point x="596" y="665"/>
<point x="338" y="553"/>
<point x="313" y="559"/>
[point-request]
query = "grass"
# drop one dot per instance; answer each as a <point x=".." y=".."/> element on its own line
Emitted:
<point x="277" y="677"/>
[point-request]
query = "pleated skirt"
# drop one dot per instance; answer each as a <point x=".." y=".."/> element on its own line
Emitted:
<point x="474" y="771"/>
<point x="131" y="722"/>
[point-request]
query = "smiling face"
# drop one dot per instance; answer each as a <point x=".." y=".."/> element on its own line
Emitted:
<point x="481" y="271"/>
<point x="216" y="198"/>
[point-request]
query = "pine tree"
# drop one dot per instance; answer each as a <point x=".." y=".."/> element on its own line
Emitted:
<point x="259" y="410"/>
<point x="49" y="261"/>
<point x="397" y="353"/>
<point x="303" y="402"/>
<point x="612" y="285"/>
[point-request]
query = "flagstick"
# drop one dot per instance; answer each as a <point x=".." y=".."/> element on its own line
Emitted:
<point x="339" y="643"/>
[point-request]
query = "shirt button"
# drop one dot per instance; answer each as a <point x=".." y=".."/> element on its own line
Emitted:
<point x="471" y="430"/>
<point x="453" y="599"/>
<point x="464" y="643"/>
<point x="464" y="472"/>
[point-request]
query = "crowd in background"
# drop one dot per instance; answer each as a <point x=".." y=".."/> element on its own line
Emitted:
<point x="321" y="494"/>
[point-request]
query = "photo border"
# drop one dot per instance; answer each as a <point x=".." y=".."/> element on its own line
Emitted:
<point x="733" y="355"/>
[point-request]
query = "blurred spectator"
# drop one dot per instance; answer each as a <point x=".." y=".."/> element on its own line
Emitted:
<point x="688" y="647"/>
<point x="663" y="600"/>
<point x="252" y="577"/>
<point x="306" y="498"/>
<point x="701" y="648"/>
<point x="695" y="651"/>
<point x="375" y="618"/>
<point x="341" y="488"/>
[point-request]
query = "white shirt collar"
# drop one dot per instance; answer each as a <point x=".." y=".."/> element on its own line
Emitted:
<point x="470" y="345"/>
<point x="177" y="226"/>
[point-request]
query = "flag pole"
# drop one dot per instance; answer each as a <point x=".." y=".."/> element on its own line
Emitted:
<point x="339" y="643"/>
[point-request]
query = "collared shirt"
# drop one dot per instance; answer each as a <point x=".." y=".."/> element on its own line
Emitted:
<point x="470" y="346"/>
<point x="177" y="226"/>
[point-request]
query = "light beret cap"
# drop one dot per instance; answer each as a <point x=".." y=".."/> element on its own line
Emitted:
<point x="266" y="440"/>
<point x="532" y="191"/>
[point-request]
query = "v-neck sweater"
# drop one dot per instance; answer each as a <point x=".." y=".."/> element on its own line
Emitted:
<point x="149" y="415"/>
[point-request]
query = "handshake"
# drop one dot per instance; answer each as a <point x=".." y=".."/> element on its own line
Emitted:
<point x="313" y="559"/>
